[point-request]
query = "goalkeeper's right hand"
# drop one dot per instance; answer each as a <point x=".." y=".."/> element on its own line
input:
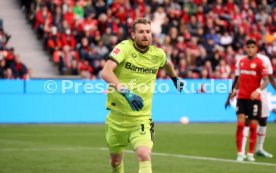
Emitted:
<point x="179" y="84"/>
<point x="136" y="102"/>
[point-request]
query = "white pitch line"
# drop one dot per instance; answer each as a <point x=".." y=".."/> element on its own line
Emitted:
<point x="49" y="149"/>
<point x="129" y="151"/>
<point x="211" y="159"/>
<point x="203" y="158"/>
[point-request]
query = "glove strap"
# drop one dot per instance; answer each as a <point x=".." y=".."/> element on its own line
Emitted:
<point x="124" y="92"/>
<point x="174" y="79"/>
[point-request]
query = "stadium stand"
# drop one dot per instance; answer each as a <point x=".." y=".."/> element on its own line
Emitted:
<point x="11" y="66"/>
<point x="203" y="38"/>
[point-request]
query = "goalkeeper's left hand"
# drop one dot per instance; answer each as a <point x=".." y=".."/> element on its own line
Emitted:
<point x="136" y="102"/>
<point x="179" y="84"/>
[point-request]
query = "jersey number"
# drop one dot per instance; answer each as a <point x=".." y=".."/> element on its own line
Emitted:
<point x="255" y="110"/>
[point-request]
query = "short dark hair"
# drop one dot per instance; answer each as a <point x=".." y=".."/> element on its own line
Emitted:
<point x="248" y="42"/>
<point x="139" y="20"/>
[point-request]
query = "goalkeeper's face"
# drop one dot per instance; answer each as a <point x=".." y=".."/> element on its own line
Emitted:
<point x="142" y="35"/>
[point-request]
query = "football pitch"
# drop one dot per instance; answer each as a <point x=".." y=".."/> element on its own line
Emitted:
<point x="81" y="148"/>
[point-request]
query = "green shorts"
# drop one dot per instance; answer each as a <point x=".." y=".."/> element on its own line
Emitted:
<point x="120" y="132"/>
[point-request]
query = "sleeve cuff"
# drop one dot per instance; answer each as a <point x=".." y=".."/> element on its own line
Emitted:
<point x="164" y="64"/>
<point x="113" y="59"/>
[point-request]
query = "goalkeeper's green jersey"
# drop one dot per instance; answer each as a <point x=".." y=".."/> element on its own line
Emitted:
<point x="137" y="70"/>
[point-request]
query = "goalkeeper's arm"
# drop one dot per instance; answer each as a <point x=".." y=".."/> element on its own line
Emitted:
<point x="109" y="76"/>
<point x="169" y="68"/>
<point x="135" y="101"/>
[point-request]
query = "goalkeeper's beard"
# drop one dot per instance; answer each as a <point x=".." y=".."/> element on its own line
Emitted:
<point x="142" y="46"/>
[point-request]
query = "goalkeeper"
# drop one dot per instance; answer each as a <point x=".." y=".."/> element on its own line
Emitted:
<point x="131" y="73"/>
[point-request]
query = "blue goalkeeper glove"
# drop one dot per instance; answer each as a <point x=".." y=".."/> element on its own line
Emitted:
<point x="136" y="102"/>
<point x="179" y="84"/>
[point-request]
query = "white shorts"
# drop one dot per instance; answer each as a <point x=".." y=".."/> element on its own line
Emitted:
<point x="265" y="108"/>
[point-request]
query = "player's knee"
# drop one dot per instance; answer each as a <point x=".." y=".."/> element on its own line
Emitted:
<point x="143" y="154"/>
<point x="240" y="124"/>
<point x="241" y="118"/>
<point x="253" y="126"/>
<point x="115" y="162"/>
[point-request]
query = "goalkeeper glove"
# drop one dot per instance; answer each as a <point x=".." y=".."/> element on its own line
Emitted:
<point x="136" y="102"/>
<point x="178" y="83"/>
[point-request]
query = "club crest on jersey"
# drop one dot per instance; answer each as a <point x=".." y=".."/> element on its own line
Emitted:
<point x="116" y="51"/>
<point x="133" y="55"/>
<point x="253" y="65"/>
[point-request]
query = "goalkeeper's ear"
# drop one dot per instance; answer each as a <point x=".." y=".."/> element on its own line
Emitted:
<point x="132" y="35"/>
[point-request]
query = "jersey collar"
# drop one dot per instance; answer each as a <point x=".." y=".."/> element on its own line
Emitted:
<point x="141" y="50"/>
<point x="251" y="58"/>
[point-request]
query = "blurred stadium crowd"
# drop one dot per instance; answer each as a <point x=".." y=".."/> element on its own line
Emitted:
<point x="203" y="38"/>
<point x="11" y="66"/>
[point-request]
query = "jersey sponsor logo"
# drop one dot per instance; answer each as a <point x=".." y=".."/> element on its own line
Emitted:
<point x="116" y="51"/>
<point x="143" y="70"/>
<point x="248" y="72"/>
<point x="253" y="65"/>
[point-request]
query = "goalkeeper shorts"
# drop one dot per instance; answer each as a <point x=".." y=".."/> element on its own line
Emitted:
<point x="119" y="134"/>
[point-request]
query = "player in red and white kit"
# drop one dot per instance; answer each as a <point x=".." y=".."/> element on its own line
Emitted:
<point x="252" y="71"/>
<point x="261" y="131"/>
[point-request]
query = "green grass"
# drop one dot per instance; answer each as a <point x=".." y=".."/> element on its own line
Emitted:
<point x="77" y="149"/>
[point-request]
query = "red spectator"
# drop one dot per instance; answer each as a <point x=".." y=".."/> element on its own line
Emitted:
<point x="84" y="66"/>
<point x="230" y="6"/>
<point x="140" y="5"/>
<point x="67" y="39"/>
<point x="121" y="14"/>
<point x="54" y="43"/>
<point x="115" y="6"/>
<point x="185" y="18"/>
<point x="254" y="33"/>
<point x="69" y="16"/>
<point x="41" y="16"/>
<point x="88" y="23"/>
<point x="218" y="8"/>
<point x="200" y="16"/>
